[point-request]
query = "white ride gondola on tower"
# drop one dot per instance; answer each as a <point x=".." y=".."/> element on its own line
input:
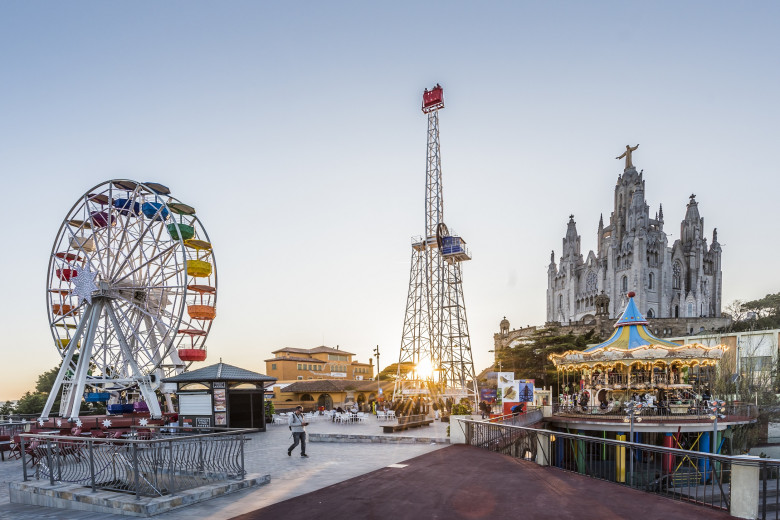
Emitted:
<point x="131" y="294"/>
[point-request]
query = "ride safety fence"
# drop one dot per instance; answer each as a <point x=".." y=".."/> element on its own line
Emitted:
<point x="146" y="462"/>
<point x="742" y="485"/>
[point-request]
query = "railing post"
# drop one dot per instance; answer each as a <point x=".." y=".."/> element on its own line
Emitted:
<point x="136" y="476"/>
<point x="745" y="497"/>
<point x="243" y="471"/>
<point x="91" y="445"/>
<point x="200" y="454"/>
<point x="24" y="459"/>
<point x="48" y="461"/>
<point x="172" y="486"/>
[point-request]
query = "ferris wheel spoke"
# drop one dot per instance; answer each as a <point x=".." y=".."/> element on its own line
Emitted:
<point x="158" y="255"/>
<point x="138" y="242"/>
<point x="143" y="312"/>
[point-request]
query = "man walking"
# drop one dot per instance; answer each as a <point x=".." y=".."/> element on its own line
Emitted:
<point x="298" y="428"/>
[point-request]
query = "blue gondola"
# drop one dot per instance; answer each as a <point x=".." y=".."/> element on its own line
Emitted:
<point x="97" y="397"/>
<point x="114" y="409"/>
<point x="127" y="207"/>
<point x="151" y="209"/>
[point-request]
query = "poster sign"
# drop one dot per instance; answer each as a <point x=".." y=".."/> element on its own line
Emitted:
<point x="202" y="422"/>
<point x="488" y="395"/>
<point x="220" y="419"/>
<point x="513" y="408"/>
<point x="525" y="390"/>
<point x="219" y="401"/>
<point x="507" y="390"/>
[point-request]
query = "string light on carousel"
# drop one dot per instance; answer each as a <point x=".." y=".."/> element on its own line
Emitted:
<point x="633" y="362"/>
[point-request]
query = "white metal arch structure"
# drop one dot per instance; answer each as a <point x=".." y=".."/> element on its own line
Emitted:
<point x="130" y="292"/>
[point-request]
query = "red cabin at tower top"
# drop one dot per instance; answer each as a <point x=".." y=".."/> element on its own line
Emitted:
<point x="433" y="99"/>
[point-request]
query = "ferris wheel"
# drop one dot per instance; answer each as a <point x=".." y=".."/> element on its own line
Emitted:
<point x="131" y="294"/>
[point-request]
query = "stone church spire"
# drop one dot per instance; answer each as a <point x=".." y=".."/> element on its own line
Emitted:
<point x="692" y="226"/>
<point x="571" y="242"/>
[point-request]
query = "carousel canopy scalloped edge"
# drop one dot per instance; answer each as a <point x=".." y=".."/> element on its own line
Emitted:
<point x="685" y="355"/>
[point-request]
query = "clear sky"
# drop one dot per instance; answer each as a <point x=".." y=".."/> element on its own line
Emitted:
<point x="295" y="130"/>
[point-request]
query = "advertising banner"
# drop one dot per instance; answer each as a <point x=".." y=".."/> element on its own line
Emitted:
<point x="525" y="390"/>
<point x="505" y="380"/>
<point x="488" y="395"/>
<point x="507" y="389"/>
<point x="513" y="408"/>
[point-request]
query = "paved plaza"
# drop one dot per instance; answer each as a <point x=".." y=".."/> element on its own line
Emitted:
<point x="266" y="453"/>
<point x="361" y="472"/>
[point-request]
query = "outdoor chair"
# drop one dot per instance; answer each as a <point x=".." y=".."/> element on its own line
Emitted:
<point x="381" y="416"/>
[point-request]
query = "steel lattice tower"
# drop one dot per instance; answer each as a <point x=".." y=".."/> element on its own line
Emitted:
<point x="435" y="331"/>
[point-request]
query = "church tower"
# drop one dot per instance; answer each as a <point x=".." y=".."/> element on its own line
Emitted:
<point x="632" y="254"/>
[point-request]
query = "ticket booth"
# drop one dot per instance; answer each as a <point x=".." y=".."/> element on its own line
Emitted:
<point x="221" y="395"/>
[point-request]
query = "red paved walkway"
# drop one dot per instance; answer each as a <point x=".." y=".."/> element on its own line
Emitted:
<point x="463" y="482"/>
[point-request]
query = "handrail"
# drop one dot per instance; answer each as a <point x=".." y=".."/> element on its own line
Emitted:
<point x="738" y="459"/>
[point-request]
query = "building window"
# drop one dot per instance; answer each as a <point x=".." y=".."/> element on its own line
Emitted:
<point x="273" y="366"/>
<point x="300" y="378"/>
<point x="651" y="281"/>
<point x="299" y="366"/>
<point x="307" y="397"/>
<point x="650" y="313"/>
<point x="676" y="275"/>
<point x="624" y="284"/>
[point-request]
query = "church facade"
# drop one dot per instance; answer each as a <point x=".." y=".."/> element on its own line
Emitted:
<point x="678" y="281"/>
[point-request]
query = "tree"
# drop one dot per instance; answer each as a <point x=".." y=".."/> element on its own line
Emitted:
<point x="763" y="313"/>
<point x="530" y="359"/>
<point x="390" y="372"/>
<point x="31" y="404"/>
<point x="7" y="408"/>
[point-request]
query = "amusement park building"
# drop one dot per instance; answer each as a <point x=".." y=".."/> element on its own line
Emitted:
<point x="291" y="364"/>
<point x="682" y="281"/>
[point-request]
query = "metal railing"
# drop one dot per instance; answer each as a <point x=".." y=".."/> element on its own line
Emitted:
<point x="532" y="414"/>
<point x="697" y="477"/>
<point x="659" y="411"/>
<point x="150" y="462"/>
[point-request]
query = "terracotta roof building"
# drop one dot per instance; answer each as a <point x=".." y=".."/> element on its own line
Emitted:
<point x="290" y="364"/>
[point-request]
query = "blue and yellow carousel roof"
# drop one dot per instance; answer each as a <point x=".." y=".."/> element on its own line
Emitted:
<point x="633" y="343"/>
<point x="631" y="331"/>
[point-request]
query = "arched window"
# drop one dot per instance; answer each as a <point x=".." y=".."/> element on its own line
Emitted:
<point x="690" y="310"/>
<point x="676" y="275"/>
<point x="650" y="313"/>
<point x="560" y="302"/>
<point x="651" y="281"/>
<point x="624" y="284"/>
<point x="307" y="397"/>
<point x="676" y="311"/>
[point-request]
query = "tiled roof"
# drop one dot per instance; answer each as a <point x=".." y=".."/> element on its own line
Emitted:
<point x="219" y="372"/>
<point x="292" y="358"/>
<point x="315" y="350"/>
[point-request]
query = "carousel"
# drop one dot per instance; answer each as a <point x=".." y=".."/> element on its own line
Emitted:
<point x="634" y="365"/>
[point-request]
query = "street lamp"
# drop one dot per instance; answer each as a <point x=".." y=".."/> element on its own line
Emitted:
<point x="717" y="408"/>
<point x="633" y="409"/>
<point x="378" y="387"/>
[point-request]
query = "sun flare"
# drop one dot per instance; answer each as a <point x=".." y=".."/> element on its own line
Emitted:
<point x="424" y="369"/>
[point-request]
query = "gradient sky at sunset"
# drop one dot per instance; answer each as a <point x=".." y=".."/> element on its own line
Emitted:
<point x="295" y="130"/>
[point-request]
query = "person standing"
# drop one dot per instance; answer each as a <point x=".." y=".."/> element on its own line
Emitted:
<point x="298" y="427"/>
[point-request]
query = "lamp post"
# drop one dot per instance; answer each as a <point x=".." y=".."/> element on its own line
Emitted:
<point x="378" y="387"/>
<point x="633" y="409"/>
<point x="717" y="408"/>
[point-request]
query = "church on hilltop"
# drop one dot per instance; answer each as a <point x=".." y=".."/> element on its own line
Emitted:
<point x="682" y="281"/>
